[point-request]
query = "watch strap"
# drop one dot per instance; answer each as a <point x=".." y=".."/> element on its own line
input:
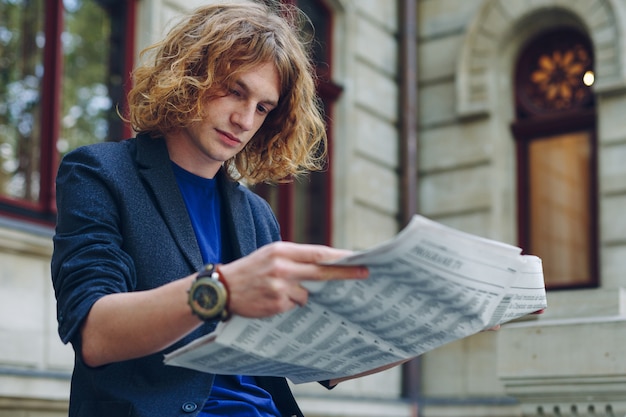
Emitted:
<point x="220" y="278"/>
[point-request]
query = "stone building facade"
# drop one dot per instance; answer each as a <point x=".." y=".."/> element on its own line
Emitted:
<point x="565" y="362"/>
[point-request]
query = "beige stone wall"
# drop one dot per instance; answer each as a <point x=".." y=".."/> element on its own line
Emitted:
<point x="365" y="159"/>
<point x="34" y="365"/>
<point x="567" y="361"/>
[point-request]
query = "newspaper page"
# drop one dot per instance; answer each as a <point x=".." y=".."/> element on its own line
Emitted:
<point x="428" y="286"/>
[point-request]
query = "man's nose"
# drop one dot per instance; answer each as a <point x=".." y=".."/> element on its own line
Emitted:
<point x="244" y="117"/>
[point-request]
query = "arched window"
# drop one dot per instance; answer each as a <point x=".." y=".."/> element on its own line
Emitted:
<point x="64" y="65"/>
<point x="555" y="130"/>
<point x="304" y="207"/>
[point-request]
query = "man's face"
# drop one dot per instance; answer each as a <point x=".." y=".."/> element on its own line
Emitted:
<point x="228" y="124"/>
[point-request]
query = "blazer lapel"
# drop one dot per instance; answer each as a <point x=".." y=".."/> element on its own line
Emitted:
<point x="239" y="223"/>
<point x="155" y="167"/>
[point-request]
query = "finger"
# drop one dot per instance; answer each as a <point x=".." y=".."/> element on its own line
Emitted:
<point x="299" y="295"/>
<point x="306" y="253"/>
<point x="314" y="272"/>
<point x="492" y="328"/>
<point x="328" y="273"/>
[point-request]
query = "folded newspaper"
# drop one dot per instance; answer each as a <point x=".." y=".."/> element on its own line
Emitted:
<point x="428" y="286"/>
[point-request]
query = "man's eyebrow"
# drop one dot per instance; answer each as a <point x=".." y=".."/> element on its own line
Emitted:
<point x="241" y="84"/>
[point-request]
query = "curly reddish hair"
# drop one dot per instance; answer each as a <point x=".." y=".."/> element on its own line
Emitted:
<point x="204" y="55"/>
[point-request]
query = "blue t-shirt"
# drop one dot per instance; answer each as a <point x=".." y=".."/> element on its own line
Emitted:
<point x="203" y="205"/>
<point x="231" y="395"/>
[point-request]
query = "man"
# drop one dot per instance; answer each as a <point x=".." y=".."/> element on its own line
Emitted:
<point x="228" y="95"/>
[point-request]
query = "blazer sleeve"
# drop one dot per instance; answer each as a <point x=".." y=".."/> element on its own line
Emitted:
<point x="88" y="261"/>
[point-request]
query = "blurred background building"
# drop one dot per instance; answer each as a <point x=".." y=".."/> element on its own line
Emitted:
<point x="503" y="118"/>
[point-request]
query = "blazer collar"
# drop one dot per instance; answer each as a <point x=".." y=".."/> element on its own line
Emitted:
<point x="238" y="223"/>
<point x="155" y="166"/>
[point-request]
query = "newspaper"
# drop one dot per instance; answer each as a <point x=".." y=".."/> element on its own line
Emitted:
<point x="428" y="286"/>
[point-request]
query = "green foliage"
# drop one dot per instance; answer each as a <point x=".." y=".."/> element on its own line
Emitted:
<point x="84" y="99"/>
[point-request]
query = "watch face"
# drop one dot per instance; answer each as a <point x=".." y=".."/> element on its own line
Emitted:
<point x="207" y="298"/>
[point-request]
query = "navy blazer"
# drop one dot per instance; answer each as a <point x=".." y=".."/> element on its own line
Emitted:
<point x="123" y="226"/>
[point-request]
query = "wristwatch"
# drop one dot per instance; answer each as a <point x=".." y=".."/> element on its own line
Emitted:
<point x="208" y="295"/>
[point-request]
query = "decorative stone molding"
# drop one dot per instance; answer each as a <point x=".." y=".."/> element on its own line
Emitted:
<point x="25" y="242"/>
<point x="496" y="20"/>
<point x="589" y="397"/>
<point x="565" y="367"/>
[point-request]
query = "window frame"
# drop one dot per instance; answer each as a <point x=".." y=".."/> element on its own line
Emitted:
<point x="536" y="125"/>
<point x="43" y="211"/>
